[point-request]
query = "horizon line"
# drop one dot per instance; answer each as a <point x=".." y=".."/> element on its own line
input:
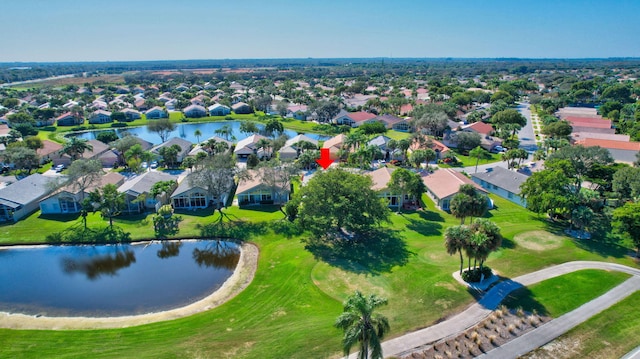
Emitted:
<point x="445" y="58"/>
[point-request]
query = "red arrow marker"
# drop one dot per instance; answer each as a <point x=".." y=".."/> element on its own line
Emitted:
<point x="325" y="158"/>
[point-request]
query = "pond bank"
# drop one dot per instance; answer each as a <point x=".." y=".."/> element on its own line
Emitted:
<point x="239" y="280"/>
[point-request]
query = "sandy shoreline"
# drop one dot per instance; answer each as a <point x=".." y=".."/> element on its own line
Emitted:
<point x="239" y="280"/>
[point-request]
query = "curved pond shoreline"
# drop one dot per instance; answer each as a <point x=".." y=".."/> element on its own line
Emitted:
<point x="236" y="283"/>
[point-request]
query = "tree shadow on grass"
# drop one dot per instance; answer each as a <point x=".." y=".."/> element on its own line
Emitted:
<point x="262" y="208"/>
<point x="374" y="253"/>
<point x="524" y="298"/>
<point x="604" y="246"/>
<point x="60" y="217"/>
<point x="427" y="224"/>
<point x="241" y="230"/>
<point x="507" y="243"/>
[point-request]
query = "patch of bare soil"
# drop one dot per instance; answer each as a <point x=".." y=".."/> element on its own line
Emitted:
<point x="557" y="349"/>
<point x="498" y="328"/>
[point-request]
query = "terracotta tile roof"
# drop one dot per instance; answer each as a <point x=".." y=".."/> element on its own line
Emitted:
<point x="361" y="116"/>
<point x="406" y="108"/>
<point x="480" y="127"/>
<point x="446" y="182"/>
<point x="589" y="122"/>
<point x="610" y="144"/>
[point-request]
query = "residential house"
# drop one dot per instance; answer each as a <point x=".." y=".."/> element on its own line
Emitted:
<point x="352" y="119"/>
<point x="198" y="100"/>
<point x="621" y="151"/>
<point x="141" y="104"/>
<point x="241" y="108"/>
<point x="393" y="122"/>
<point x="131" y="114"/>
<point x="69" y="119"/>
<point x="335" y="145"/>
<point x="98" y="149"/>
<point x="253" y="191"/>
<point x="49" y="151"/>
<point x="299" y="112"/>
<point x="21" y="198"/>
<point x="100" y="116"/>
<point x="182" y="88"/>
<point x="291" y="150"/>
<point x="502" y="182"/>
<point x="249" y="146"/>
<point x="200" y="148"/>
<point x="190" y="197"/>
<point x="219" y="110"/>
<point x="445" y="183"/>
<point x="486" y="132"/>
<point x="381" y="178"/>
<point x="155" y="113"/>
<point x="40" y="122"/>
<point x="195" y="111"/>
<point x="68" y="199"/>
<point x="381" y="142"/>
<point x="137" y="191"/>
<point x="185" y="147"/>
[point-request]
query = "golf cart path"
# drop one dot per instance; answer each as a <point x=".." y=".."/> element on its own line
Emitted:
<point x="478" y="311"/>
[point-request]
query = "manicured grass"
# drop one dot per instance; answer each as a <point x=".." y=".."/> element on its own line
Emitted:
<point x="560" y="295"/>
<point x="397" y="135"/>
<point x="610" y="334"/>
<point x="466" y="161"/>
<point x="289" y="309"/>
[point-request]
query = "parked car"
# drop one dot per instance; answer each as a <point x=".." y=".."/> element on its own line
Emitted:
<point x="59" y="168"/>
<point x="498" y="149"/>
<point x="154" y="164"/>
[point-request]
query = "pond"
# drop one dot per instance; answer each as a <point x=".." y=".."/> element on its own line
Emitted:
<point x="112" y="280"/>
<point x="187" y="130"/>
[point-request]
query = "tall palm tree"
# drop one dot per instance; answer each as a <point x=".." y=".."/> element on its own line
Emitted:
<point x="197" y="133"/>
<point x="361" y="324"/>
<point x="76" y="147"/>
<point x="455" y="239"/>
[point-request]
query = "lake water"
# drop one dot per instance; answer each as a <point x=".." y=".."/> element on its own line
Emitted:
<point x="187" y="130"/>
<point x="112" y="280"/>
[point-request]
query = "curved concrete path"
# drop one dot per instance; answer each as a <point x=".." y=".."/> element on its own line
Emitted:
<point x="477" y="312"/>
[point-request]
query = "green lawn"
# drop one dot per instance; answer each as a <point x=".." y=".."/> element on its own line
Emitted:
<point x="560" y="295"/>
<point x="289" y="309"/>
<point x="466" y="161"/>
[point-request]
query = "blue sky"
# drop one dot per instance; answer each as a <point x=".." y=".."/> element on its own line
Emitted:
<point x="81" y="30"/>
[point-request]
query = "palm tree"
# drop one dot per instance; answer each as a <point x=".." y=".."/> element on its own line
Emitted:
<point x="479" y="154"/>
<point x="225" y="131"/>
<point x="456" y="238"/>
<point x="76" y="147"/>
<point x="197" y="133"/>
<point x="361" y="324"/>
<point x="264" y="145"/>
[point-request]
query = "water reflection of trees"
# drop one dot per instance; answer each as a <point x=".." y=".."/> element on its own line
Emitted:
<point x="219" y="254"/>
<point x="169" y="249"/>
<point x="95" y="267"/>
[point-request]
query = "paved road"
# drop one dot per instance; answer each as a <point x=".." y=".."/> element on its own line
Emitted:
<point x="490" y="301"/>
<point x="526" y="135"/>
<point x="634" y="354"/>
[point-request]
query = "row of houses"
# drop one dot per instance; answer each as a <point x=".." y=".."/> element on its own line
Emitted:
<point x="590" y="129"/>
<point x="34" y="192"/>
